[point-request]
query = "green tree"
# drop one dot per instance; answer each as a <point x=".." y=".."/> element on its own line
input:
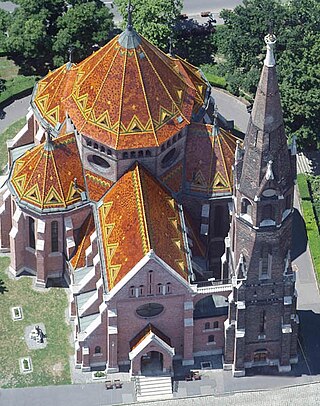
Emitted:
<point x="4" y="23"/>
<point x="82" y="26"/>
<point x="153" y="19"/>
<point x="297" y="26"/>
<point x="42" y="30"/>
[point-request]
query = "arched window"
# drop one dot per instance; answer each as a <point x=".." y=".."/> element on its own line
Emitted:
<point x="109" y="152"/>
<point x="207" y="326"/>
<point x="131" y="291"/>
<point x="125" y="155"/>
<point x="168" y="287"/>
<point x="141" y="290"/>
<point x="148" y="153"/>
<point x="132" y="154"/>
<point x="97" y="350"/>
<point x="150" y="282"/>
<point x="89" y="143"/>
<point x="168" y="144"/>
<point x="246" y="207"/>
<point x="211" y="339"/>
<point x="215" y="324"/>
<point x="32" y="238"/>
<point x="159" y="289"/>
<point x="169" y="158"/>
<point x="54" y="236"/>
<point x="140" y="154"/>
<point x="95" y="146"/>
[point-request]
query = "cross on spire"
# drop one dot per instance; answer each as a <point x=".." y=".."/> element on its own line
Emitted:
<point x="130" y="10"/>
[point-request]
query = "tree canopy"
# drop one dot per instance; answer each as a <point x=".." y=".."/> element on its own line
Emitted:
<point x="297" y="26"/>
<point x="153" y="19"/>
<point x="42" y="31"/>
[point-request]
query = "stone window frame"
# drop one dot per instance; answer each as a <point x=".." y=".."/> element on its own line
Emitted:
<point x="32" y="233"/>
<point x="54" y="236"/>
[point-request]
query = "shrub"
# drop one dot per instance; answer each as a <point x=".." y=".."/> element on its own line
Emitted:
<point x="26" y="364"/>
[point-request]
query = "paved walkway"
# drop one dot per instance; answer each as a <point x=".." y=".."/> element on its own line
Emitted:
<point x="14" y="112"/>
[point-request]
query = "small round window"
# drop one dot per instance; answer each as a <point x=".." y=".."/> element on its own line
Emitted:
<point x="169" y="158"/>
<point x="150" y="310"/>
<point x="96" y="160"/>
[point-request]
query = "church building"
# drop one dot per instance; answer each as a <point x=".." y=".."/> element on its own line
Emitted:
<point x="172" y="234"/>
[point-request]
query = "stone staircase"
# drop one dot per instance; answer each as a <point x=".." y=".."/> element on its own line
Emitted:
<point x="153" y="388"/>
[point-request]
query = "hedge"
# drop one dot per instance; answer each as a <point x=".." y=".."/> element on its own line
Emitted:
<point x="311" y="224"/>
<point x="303" y="187"/>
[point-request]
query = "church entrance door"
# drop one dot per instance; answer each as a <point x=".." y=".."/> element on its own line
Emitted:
<point x="152" y="363"/>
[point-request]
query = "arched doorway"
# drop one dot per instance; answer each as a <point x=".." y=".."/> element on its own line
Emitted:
<point x="151" y="363"/>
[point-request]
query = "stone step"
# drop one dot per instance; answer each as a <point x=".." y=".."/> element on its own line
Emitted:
<point x="153" y="388"/>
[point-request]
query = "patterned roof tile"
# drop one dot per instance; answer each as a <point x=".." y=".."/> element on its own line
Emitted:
<point x="44" y="177"/>
<point x="129" y="219"/>
<point x="209" y="160"/>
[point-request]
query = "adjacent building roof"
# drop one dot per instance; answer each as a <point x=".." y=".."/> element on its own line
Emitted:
<point x="129" y="221"/>
<point x="97" y="185"/>
<point x="127" y="95"/>
<point x="49" y="176"/>
<point x="78" y="259"/>
<point x="209" y="159"/>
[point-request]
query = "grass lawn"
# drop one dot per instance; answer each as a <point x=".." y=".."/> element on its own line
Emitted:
<point x="15" y="83"/>
<point x="51" y="364"/>
<point x="7" y="134"/>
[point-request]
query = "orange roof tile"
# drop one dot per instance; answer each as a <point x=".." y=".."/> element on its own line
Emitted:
<point x="129" y="218"/>
<point x="44" y="176"/>
<point x="78" y="259"/>
<point x="97" y="186"/>
<point x="209" y="160"/>
<point x="174" y="177"/>
<point x="126" y="95"/>
<point x="201" y="85"/>
<point x="51" y="91"/>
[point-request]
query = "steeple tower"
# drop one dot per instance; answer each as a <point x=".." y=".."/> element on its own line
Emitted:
<point x="262" y="325"/>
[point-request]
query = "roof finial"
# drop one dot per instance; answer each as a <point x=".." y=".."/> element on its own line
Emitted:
<point x="270" y="40"/>
<point x="48" y="145"/>
<point x="215" y="129"/>
<point x="130" y="10"/>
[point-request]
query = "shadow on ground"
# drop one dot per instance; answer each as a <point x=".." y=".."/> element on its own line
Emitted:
<point x="3" y="287"/>
<point x="314" y="157"/>
<point x="309" y="338"/>
<point x="299" y="235"/>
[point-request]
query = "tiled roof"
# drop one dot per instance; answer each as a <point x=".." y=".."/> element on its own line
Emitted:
<point x="173" y="177"/>
<point x="96" y="185"/>
<point x="126" y="95"/>
<point x="150" y="328"/>
<point x="129" y="219"/>
<point x="209" y="159"/>
<point x="199" y="82"/>
<point x="78" y="259"/>
<point x="44" y="177"/>
<point x="50" y="93"/>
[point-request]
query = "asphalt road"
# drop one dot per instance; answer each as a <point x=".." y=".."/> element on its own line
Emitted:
<point x="14" y="112"/>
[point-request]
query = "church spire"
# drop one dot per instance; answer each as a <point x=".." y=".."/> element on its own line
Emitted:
<point x="265" y="140"/>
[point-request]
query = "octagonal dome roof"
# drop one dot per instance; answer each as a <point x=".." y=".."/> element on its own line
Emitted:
<point x="127" y="95"/>
<point x="44" y="180"/>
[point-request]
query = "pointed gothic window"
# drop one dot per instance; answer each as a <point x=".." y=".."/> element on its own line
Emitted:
<point x="54" y="236"/>
<point x="246" y="208"/>
<point x="262" y="324"/>
<point x="132" y="291"/>
<point x="32" y="238"/>
<point x="265" y="262"/>
<point x="215" y="324"/>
